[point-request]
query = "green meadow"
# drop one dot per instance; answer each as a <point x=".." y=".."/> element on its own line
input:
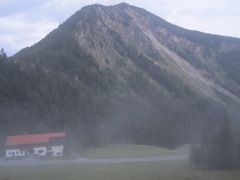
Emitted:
<point x="132" y="151"/>
<point x="169" y="170"/>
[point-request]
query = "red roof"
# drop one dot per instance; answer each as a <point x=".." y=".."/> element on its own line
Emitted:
<point x="32" y="138"/>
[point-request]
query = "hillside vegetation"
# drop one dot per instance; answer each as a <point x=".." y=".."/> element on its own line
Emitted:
<point x="99" y="109"/>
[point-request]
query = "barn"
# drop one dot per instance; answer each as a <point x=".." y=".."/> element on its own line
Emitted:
<point x="37" y="145"/>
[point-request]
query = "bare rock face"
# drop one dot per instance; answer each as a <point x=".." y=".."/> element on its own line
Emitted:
<point x="106" y="33"/>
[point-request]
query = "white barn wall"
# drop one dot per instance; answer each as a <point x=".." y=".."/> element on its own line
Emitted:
<point x="15" y="153"/>
<point x="56" y="150"/>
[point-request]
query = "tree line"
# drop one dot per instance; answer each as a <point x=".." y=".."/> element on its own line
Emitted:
<point x="95" y="107"/>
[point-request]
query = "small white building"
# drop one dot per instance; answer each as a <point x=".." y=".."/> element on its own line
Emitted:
<point x="38" y="145"/>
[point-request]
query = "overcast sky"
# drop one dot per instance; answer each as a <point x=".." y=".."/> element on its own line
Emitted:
<point x="25" y="22"/>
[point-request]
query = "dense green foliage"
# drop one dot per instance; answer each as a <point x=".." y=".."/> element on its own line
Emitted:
<point x="219" y="149"/>
<point x="94" y="107"/>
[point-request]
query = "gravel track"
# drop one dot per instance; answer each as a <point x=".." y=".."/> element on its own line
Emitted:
<point x="34" y="162"/>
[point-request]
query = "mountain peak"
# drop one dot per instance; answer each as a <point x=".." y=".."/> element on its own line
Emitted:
<point x="123" y="4"/>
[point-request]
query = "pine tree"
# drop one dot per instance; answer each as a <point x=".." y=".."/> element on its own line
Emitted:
<point x="219" y="149"/>
<point x="222" y="148"/>
<point x="3" y="55"/>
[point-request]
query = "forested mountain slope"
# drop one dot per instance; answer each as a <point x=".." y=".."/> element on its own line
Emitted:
<point x="120" y="74"/>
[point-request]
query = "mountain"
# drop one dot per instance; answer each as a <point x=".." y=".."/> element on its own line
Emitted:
<point x="124" y="34"/>
<point x="121" y="74"/>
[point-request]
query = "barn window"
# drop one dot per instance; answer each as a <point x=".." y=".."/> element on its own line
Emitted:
<point x="10" y="153"/>
<point x="40" y="151"/>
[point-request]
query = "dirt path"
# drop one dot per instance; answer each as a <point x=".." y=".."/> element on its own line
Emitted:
<point x="33" y="162"/>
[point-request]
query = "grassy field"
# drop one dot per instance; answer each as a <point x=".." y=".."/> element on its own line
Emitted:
<point x="170" y="170"/>
<point x="125" y="151"/>
<point x="166" y="170"/>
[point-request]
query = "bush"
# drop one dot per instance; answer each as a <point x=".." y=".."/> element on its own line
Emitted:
<point x="219" y="151"/>
<point x="196" y="155"/>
